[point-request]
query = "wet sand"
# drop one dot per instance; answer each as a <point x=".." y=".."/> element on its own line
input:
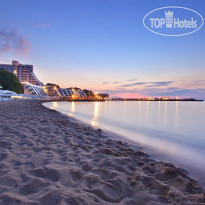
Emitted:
<point x="47" y="158"/>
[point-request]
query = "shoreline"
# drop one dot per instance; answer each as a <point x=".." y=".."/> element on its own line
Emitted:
<point x="46" y="158"/>
<point x="192" y="171"/>
<point x="135" y="100"/>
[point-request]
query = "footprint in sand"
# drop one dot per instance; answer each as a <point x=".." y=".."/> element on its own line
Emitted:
<point x="48" y="173"/>
<point x="110" y="192"/>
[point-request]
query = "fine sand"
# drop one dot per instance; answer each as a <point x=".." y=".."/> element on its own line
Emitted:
<point x="46" y="158"/>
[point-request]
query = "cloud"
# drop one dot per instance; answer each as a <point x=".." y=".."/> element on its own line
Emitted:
<point x="12" y="41"/>
<point x="105" y="83"/>
<point x="3" y="60"/>
<point x="132" y="84"/>
<point x="151" y="84"/>
<point x="199" y="81"/>
<point x="156" y="84"/>
<point x="116" y="82"/>
<point x="158" y="92"/>
<point x="172" y="88"/>
<point x="195" y="93"/>
<point x="198" y="93"/>
<point x="118" y="91"/>
<point x="132" y="79"/>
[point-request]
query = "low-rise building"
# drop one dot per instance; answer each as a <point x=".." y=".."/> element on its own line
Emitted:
<point x="73" y="93"/>
<point x="30" y="89"/>
<point x="51" y="90"/>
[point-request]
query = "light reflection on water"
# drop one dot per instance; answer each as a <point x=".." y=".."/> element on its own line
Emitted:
<point x="174" y="130"/>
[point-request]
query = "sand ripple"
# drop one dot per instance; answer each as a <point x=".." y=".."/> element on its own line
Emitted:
<point x="49" y="159"/>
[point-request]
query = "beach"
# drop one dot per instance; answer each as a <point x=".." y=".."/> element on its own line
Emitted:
<point x="47" y="158"/>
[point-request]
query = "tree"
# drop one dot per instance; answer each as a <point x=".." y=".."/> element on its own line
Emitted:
<point x="57" y="86"/>
<point x="9" y="81"/>
<point x="89" y="93"/>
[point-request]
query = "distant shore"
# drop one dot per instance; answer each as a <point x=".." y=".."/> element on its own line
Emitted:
<point x="134" y="99"/>
<point x="128" y="99"/>
<point x="46" y="158"/>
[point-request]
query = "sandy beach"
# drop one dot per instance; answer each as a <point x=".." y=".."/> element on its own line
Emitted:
<point x="47" y="158"/>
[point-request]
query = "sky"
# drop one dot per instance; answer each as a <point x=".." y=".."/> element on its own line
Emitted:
<point x="104" y="46"/>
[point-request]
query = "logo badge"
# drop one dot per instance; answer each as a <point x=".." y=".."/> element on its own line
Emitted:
<point x="173" y="21"/>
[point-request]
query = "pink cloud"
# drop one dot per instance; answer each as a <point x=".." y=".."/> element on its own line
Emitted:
<point x="12" y="41"/>
<point x="3" y="60"/>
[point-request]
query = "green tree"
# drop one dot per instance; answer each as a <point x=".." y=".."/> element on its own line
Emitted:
<point x="9" y="81"/>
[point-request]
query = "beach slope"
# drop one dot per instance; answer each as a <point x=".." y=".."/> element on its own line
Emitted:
<point x="46" y="158"/>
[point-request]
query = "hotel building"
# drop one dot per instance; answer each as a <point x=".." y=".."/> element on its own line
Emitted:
<point x="23" y="72"/>
<point x="32" y="86"/>
<point x="51" y="90"/>
<point x="30" y="89"/>
<point x="74" y="93"/>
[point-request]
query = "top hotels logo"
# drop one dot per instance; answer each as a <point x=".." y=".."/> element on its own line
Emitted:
<point x="173" y="21"/>
<point x="169" y="19"/>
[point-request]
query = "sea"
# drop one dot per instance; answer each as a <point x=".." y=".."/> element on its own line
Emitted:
<point x="172" y="131"/>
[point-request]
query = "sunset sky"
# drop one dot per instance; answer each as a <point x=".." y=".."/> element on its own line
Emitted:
<point x="103" y="45"/>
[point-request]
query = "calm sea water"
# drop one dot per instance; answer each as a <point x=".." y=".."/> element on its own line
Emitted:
<point x="171" y="131"/>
